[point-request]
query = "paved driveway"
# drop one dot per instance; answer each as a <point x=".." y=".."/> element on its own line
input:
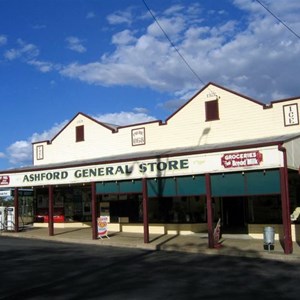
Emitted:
<point x="36" y="269"/>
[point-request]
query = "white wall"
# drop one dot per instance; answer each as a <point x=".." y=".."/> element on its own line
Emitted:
<point x="240" y="119"/>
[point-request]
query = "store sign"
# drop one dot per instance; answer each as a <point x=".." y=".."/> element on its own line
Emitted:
<point x="138" y="136"/>
<point x="291" y="116"/>
<point x="267" y="157"/>
<point x="4" y="180"/>
<point x="241" y="159"/>
<point x="124" y="170"/>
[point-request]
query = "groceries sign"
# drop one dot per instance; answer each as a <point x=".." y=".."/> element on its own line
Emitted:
<point x="241" y="159"/>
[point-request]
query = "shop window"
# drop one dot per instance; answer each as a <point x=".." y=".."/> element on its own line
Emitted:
<point x="189" y="209"/>
<point x="212" y="110"/>
<point x="79" y="133"/>
<point x="264" y="209"/>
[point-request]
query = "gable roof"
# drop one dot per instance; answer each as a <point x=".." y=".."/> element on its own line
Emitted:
<point x="112" y="128"/>
<point x="210" y="86"/>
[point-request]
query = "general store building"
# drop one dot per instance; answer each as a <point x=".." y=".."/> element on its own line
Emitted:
<point x="221" y="156"/>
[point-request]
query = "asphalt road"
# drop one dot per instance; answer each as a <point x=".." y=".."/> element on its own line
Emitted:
<point x="33" y="269"/>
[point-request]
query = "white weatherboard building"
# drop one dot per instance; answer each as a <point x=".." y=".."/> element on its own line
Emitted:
<point x="220" y="156"/>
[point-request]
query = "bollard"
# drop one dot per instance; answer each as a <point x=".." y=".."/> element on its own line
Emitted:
<point x="269" y="237"/>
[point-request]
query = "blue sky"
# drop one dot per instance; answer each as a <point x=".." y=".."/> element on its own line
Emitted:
<point x="110" y="60"/>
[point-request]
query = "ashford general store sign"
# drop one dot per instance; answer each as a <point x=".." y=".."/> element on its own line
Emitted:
<point x="163" y="167"/>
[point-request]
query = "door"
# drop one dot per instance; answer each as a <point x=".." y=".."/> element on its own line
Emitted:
<point x="233" y="215"/>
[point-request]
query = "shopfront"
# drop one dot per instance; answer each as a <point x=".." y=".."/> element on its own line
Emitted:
<point x="179" y="176"/>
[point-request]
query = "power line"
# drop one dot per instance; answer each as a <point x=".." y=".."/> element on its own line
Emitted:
<point x="173" y="45"/>
<point x="279" y="20"/>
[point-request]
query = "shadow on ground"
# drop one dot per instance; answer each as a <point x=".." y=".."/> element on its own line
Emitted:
<point x="32" y="269"/>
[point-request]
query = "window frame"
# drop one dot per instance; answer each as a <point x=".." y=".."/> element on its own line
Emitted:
<point x="212" y="110"/>
<point x="79" y="133"/>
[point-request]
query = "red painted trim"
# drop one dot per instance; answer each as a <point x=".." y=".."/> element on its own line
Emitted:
<point x="94" y="211"/>
<point x="51" y="211"/>
<point x="16" y="205"/>
<point x="285" y="204"/>
<point x="145" y="211"/>
<point x="139" y="124"/>
<point x="209" y="212"/>
<point x="285" y="100"/>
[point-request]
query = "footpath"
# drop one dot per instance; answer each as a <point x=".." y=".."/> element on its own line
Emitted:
<point x="233" y="245"/>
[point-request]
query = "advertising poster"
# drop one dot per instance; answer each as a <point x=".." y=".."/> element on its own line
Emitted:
<point x="102" y="226"/>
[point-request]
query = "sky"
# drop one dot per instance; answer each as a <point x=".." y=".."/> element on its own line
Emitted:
<point x="114" y="61"/>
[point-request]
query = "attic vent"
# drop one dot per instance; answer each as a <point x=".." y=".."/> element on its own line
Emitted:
<point x="212" y="110"/>
<point x="80" y="133"/>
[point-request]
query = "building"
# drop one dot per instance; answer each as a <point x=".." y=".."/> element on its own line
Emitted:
<point x="221" y="156"/>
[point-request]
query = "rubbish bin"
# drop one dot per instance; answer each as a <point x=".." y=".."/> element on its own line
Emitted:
<point x="269" y="237"/>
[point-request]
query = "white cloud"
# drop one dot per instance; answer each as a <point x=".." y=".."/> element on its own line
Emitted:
<point x="124" y="37"/>
<point x="2" y="155"/>
<point x="43" y="66"/>
<point x="120" y="17"/>
<point x="140" y="110"/>
<point x="171" y="11"/>
<point x="3" y="40"/>
<point x="75" y="44"/>
<point x="172" y="105"/>
<point x="124" y="118"/>
<point x="48" y="134"/>
<point x="20" y="152"/>
<point x="256" y="56"/>
<point x="12" y="54"/>
<point x="24" y="51"/>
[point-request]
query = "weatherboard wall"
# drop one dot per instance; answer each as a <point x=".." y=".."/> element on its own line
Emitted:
<point x="240" y="118"/>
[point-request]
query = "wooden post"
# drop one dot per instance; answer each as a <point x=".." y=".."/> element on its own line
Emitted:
<point x="94" y="211"/>
<point x="286" y="221"/>
<point x="16" y="205"/>
<point x="145" y="211"/>
<point x="209" y="212"/>
<point x="50" y="211"/>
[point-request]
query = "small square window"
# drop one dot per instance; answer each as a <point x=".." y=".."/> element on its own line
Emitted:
<point x="79" y="133"/>
<point x="212" y="110"/>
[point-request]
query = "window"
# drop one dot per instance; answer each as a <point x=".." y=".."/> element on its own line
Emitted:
<point x="212" y="110"/>
<point x="39" y="152"/>
<point x="79" y="133"/>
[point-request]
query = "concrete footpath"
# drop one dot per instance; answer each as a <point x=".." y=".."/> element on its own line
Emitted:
<point x="234" y="245"/>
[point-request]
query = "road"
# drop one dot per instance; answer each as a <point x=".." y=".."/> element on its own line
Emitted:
<point x="35" y="269"/>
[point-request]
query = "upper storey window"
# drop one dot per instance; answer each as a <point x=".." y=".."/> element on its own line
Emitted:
<point x="79" y="133"/>
<point x="212" y="110"/>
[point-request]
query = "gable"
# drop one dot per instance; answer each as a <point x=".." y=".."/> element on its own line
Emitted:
<point x="77" y="122"/>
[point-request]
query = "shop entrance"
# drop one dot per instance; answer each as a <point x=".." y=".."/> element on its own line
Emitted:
<point x="233" y="215"/>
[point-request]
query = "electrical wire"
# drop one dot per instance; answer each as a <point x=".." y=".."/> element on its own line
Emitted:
<point x="173" y="45"/>
<point x="279" y="20"/>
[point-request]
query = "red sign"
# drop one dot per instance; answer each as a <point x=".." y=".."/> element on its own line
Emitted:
<point x="4" y="180"/>
<point x="241" y="159"/>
